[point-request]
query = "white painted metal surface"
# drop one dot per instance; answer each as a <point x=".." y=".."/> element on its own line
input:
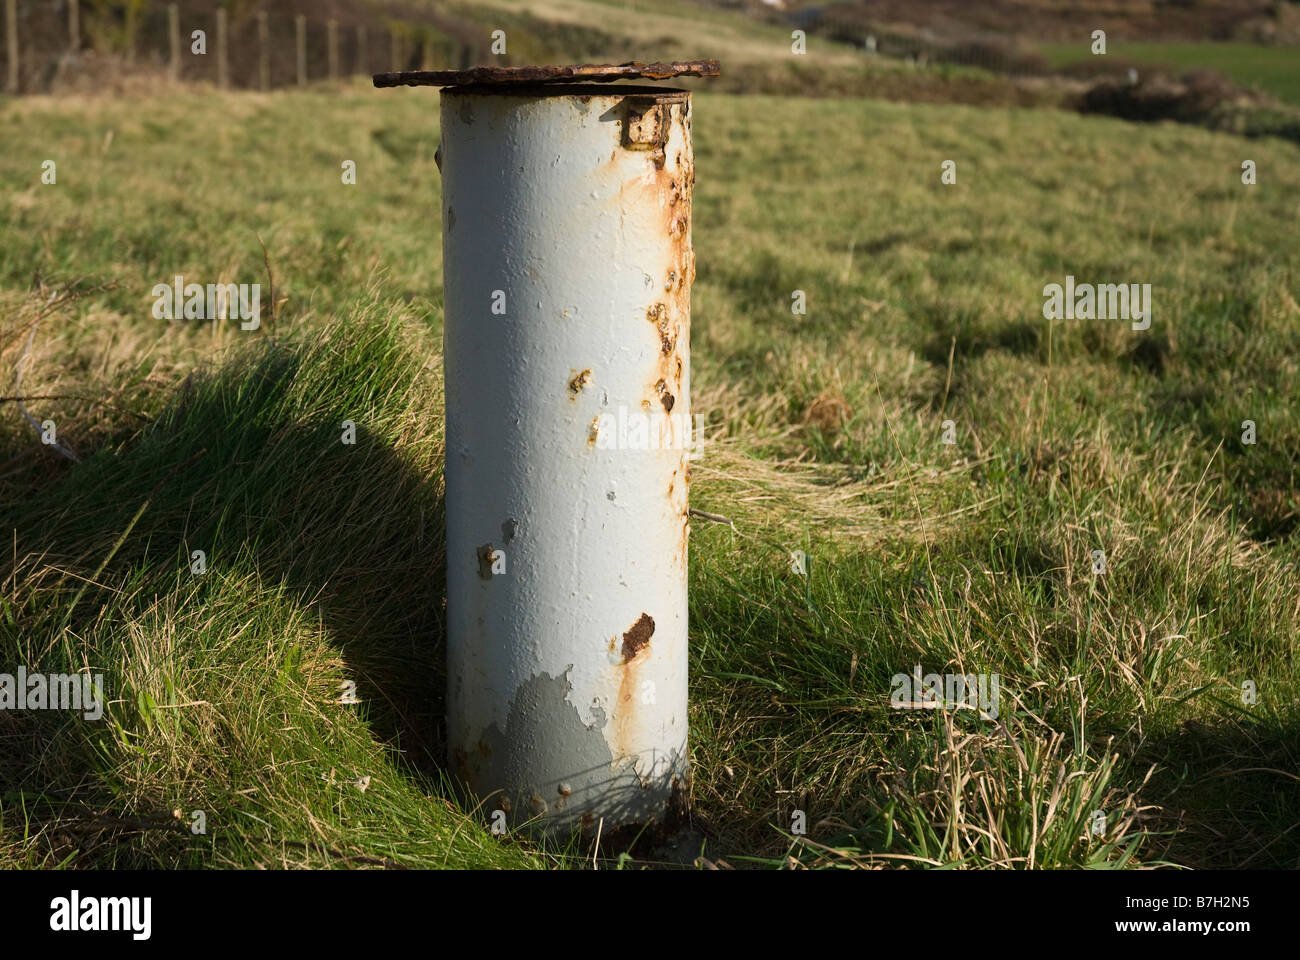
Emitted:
<point x="568" y="264"/>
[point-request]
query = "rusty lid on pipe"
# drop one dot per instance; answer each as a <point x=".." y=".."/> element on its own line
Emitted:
<point x="590" y="72"/>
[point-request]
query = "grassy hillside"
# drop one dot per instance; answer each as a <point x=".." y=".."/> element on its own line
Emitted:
<point x="1275" y="70"/>
<point x="1119" y="693"/>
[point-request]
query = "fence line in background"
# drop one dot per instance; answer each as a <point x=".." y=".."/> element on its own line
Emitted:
<point x="174" y="56"/>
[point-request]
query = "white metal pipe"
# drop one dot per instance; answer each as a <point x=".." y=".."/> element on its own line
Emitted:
<point x="568" y="266"/>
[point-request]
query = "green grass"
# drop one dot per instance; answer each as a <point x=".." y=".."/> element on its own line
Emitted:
<point x="1119" y="693"/>
<point x="1273" y="69"/>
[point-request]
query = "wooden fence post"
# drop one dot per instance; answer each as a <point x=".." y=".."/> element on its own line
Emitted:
<point x="333" y="28"/>
<point x="11" y="42"/>
<point x="263" y="52"/>
<point x="174" y="35"/>
<point x="223" y="74"/>
<point x="302" y="49"/>
<point x="131" y="13"/>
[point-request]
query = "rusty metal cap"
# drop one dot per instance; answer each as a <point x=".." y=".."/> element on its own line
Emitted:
<point x="597" y="72"/>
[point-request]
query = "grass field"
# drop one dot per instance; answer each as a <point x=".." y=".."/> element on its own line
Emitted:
<point x="1120" y="692"/>
<point x="1275" y="70"/>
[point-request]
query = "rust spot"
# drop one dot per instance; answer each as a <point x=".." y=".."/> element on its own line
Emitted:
<point x="593" y="430"/>
<point x="671" y="281"/>
<point x="564" y="790"/>
<point x="485" y="561"/>
<point x="647" y="124"/>
<point x="484" y="748"/>
<point x="666" y="398"/>
<point x="658" y="315"/>
<point x="462" y="762"/>
<point x="579" y="380"/>
<point x="587" y="820"/>
<point x="637" y="636"/>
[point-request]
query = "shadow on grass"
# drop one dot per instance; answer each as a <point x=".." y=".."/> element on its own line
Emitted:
<point x="249" y="465"/>
<point x="1230" y="792"/>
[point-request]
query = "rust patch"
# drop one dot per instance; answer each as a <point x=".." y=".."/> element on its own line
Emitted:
<point x="550" y="73"/>
<point x="593" y="431"/>
<point x="671" y="313"/>
<point x="658" y="315"/>
<point x="646" y="126"/>
<point x="665" y="397"/>
<point x="485" y="561"/>
<point x="579" y="381"/>
<point x="637" y="637"/>
<point x="484" y="748"/>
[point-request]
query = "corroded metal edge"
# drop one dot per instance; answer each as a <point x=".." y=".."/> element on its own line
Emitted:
<point x="596" y="72"/>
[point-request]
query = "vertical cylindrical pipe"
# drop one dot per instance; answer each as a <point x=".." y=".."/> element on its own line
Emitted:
<point x="568" y="267"/>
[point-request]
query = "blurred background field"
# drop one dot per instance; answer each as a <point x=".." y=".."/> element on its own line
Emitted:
<point x="1121" y="693"/>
